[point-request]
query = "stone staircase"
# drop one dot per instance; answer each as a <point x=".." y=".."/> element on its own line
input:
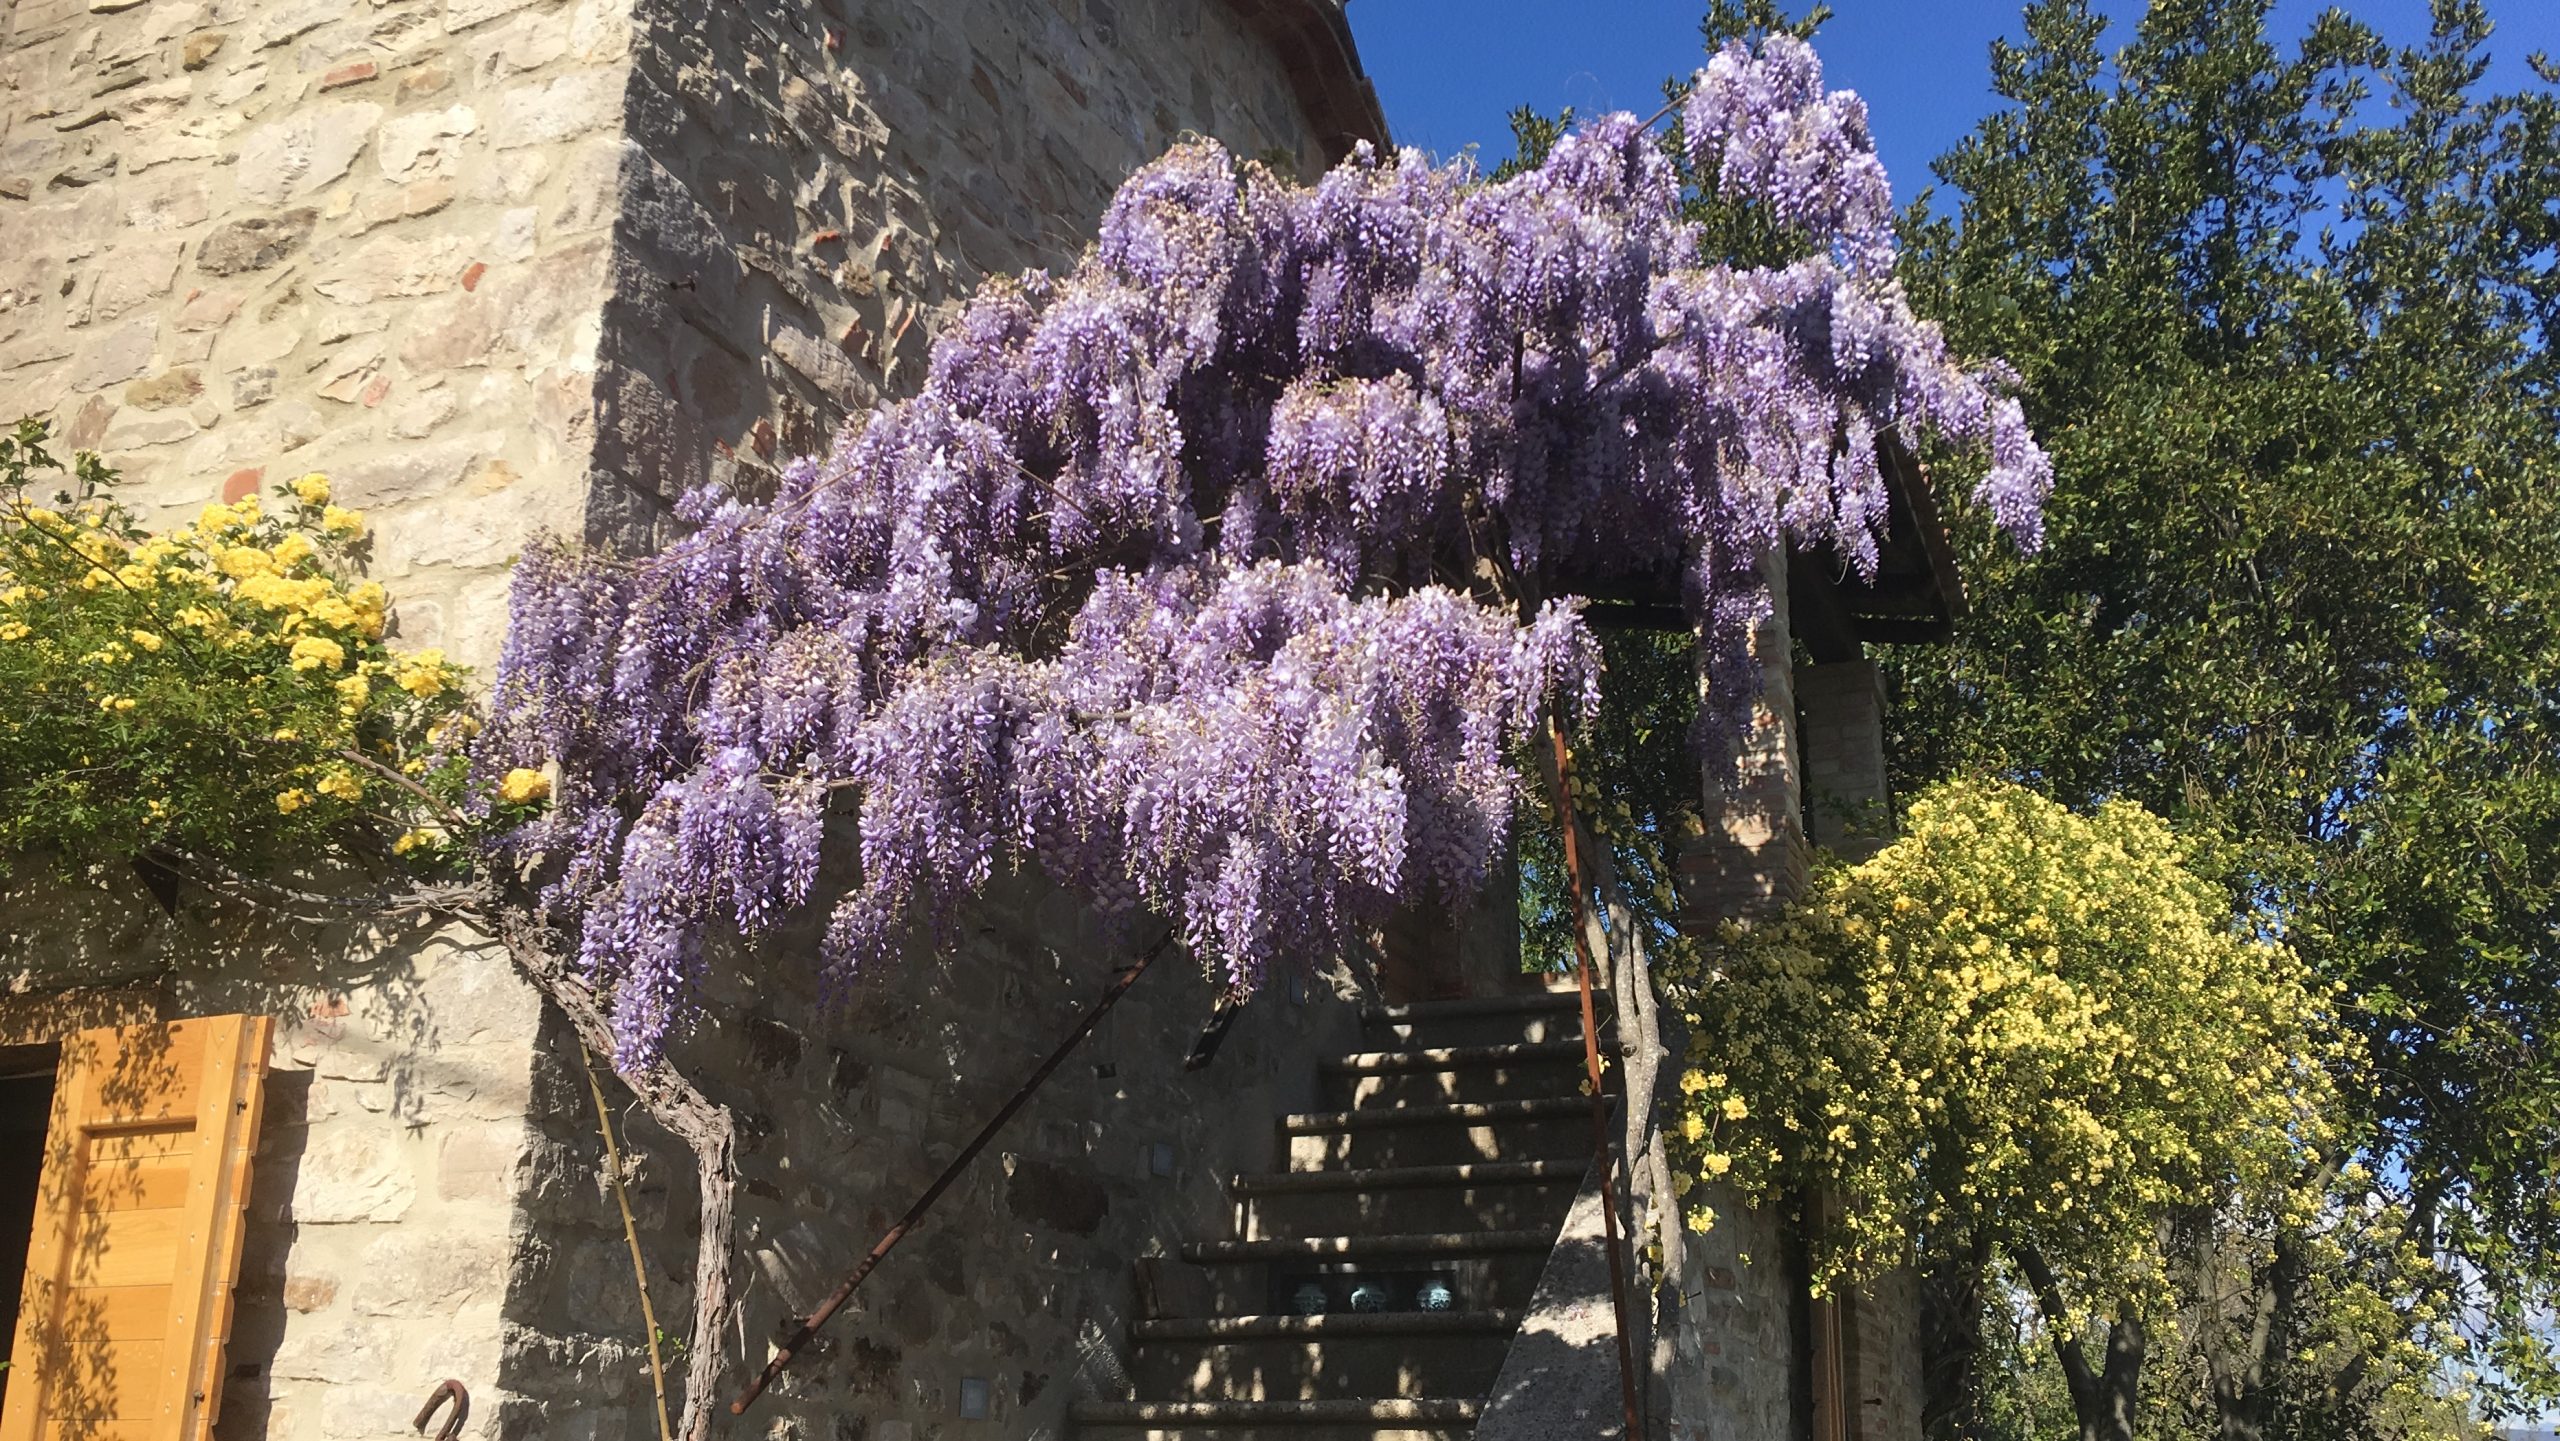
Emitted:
<point x="1373" y="1287"/>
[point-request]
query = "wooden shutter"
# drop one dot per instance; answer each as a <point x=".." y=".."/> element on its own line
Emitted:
<point x="137" y="1241"/>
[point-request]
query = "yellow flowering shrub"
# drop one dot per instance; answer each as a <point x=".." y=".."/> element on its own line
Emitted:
<point x="2015" y="1022"/>
<point x="222" y="688"/>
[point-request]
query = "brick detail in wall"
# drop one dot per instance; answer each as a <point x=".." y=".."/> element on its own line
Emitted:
<point x="1847" y="796"/>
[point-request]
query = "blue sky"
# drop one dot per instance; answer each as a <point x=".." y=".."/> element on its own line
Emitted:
<point x="1448" y="71"/>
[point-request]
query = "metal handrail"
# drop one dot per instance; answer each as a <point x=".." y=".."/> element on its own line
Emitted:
<point x="889" y="1240"/>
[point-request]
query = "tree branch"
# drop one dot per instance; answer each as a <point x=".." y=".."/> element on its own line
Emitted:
<point x="464" y="903"/>
<point x="631" y="1238"/>
<point x="2076" y="1369"/>
<point x="451" y="816"/>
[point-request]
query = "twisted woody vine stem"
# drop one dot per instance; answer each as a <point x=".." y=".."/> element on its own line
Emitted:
<point x="1223" y="574"/>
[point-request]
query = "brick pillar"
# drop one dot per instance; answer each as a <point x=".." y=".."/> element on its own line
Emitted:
<point x="1814" y="756"/>
<point x="1429" y="953"/>
<point x="1867" y="1345"/>
<point x="1840" y="710"/>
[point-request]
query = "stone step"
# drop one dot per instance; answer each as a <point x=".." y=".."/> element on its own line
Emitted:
<point x="1446" y="1075"/>
<point x="1464" y="1114"/>
<point x="1470" y="1007"/>
<point x="1332" y="1357"/>
<point x="1477" y="1281"/>
<point x="1487" y="1196"/>
<point x="1533" y="1018"/>
<point x="1389" y="1178"/>
<point x="1544" y="1136"/>
<point x="1484" y="1270"/>
<point x="1365" y="1248"/>
<point x="1455" y="1058"/>
<point x="1348" y="1325"/>
<point x="1400" y="1419"/>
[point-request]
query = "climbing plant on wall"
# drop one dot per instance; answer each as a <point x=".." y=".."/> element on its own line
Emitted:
<point x="1221" y="574"/>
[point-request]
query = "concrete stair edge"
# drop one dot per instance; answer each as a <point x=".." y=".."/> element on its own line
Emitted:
<point x="1337" y="1326"/>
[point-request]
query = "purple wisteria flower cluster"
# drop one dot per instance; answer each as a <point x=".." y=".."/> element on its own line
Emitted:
<point x="1222" y="574"/>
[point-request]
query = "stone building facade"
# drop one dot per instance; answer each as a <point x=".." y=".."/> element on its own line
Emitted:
<point x="501" y="267"/>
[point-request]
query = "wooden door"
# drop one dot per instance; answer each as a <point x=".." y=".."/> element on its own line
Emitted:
<point x="127" y="1300"/>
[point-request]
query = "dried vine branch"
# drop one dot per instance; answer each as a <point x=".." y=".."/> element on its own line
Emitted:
<point x="675" y="1103"/>
<point x="631" y="1238"/>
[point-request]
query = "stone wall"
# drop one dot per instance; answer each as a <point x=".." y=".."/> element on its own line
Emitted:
<point x="1020" y="1280"/>
<point x="496" y="269"/>
<point x="383" y="1193"/>
<point x="806" y="193"/>
<point x="251" y="240"/>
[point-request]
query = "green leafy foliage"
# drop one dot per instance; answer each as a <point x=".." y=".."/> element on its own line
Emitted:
<point x="218" y="692"/>
<point x="2017" y="1022"/>
<point x="2282" y="313"/>
<point x="1635" y="785"/>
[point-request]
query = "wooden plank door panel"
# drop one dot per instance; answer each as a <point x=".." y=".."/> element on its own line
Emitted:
<point x="138" y="1232"/>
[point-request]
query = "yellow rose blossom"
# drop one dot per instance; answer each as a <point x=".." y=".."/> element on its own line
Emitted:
<point x="294" y="549"/>
<point x="334" y="612"/>
<point x="222" y="519"/>
<point x="292" y="800"/>
<point x="341" y="784"/>
<point x="415" y="839"/>
<point x="313" y="653"/>
<point x="422" y="674"/>
<point x="147" y="640"/>
<point x="523" y="786"/>
<point x="13" y="630"/>
<point x="312" y="489"/>
<point x="243" y="561"/>
<point x="335" y="521"/>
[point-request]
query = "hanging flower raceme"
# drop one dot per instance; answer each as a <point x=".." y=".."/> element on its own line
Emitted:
<point x="1198" y="576"/>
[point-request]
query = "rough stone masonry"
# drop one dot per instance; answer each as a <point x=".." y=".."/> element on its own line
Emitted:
<point x="506" y="266"/>
<point x="502" y="266"/>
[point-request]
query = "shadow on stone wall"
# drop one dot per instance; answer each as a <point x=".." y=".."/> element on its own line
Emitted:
<point x="382" y="1186"/>
<point x="1020" y="1277"/>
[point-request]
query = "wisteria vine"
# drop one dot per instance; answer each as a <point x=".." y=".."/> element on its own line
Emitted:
<point x="1221" y="574"/>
